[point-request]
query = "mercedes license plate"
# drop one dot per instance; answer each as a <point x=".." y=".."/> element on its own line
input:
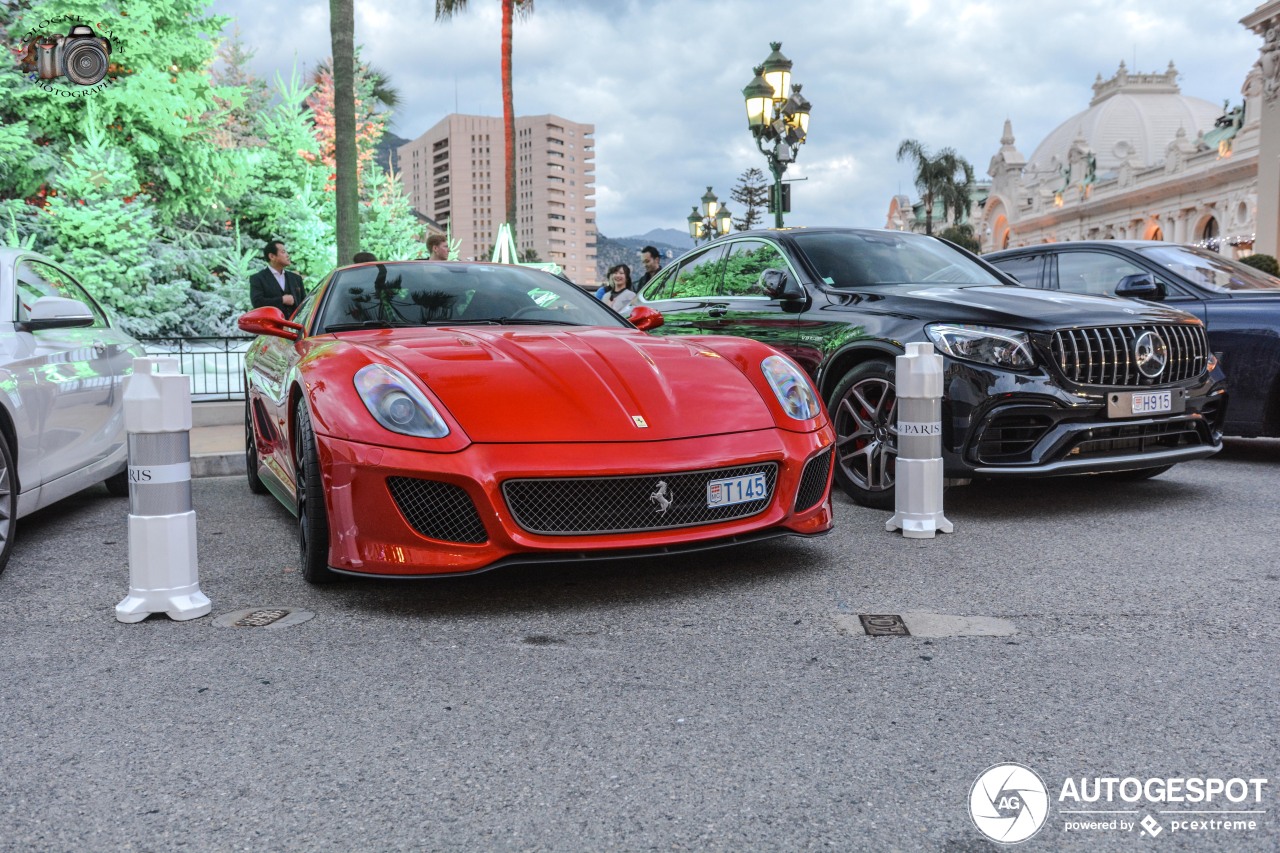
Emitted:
<point x="1136" y="404"/>
<point x="737" y="490"/>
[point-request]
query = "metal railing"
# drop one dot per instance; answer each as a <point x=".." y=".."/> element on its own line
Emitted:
<point x="215" y="365"/>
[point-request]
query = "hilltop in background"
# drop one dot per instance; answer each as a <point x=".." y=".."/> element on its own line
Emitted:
<point x="626" y="250"/>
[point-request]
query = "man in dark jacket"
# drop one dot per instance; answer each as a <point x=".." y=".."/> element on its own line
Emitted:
<point x="652" y="261"/>
<point x="275" y="285"/>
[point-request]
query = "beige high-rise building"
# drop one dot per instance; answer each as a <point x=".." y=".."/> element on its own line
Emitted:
<point x="455" y="172"/>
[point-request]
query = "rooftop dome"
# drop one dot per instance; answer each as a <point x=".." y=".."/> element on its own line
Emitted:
<point x="1131" y="117"/>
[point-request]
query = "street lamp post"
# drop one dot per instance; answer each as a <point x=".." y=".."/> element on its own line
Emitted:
<point x="778" y="116"/>
<point x="712" y="222"/>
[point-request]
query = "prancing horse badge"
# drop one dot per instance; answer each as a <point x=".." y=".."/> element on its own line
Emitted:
<point x="639" y="421"/>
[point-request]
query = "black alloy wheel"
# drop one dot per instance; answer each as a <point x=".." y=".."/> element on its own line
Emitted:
<point x="864" y="409"/>
<point x="313" y="517"/>
<point x="251" y="452"/>
<point x="8" y="502"/>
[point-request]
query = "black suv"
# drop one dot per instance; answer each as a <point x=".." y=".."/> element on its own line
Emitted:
<point x="1036" y="383"/>
<point x="1240" y="306"/>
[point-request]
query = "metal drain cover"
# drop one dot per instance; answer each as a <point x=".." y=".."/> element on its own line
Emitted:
<point x="263" y="617"/>
<point x="884" y="625"/>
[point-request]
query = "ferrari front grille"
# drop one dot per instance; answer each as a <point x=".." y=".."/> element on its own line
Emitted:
<point x="1109" y="355"/>
<point x="438" y="510"/>
<point x="580" y="506"/>
<point x="813" y="482"/>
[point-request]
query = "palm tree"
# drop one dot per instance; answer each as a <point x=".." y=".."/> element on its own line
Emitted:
<point x="445" y="9"/>
<point x="936" y="180"/>
<point x="384" y="93"/>
<point x="342" y="32"/>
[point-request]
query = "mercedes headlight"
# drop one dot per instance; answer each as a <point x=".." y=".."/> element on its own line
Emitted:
<point x="397" y="404"/>
<point x="791" y="387"/>
<point x="985" y="344"/>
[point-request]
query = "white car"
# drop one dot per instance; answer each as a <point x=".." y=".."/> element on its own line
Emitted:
<point x="62" y="369"/>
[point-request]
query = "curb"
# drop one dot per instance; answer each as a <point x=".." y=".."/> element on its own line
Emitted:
<point x="217" y="465"/>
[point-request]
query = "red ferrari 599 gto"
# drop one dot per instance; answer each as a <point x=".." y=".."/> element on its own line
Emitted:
<point x="433" y="418"/>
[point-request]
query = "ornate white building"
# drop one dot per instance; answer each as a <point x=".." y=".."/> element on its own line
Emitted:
<point x="1142" y="161"/>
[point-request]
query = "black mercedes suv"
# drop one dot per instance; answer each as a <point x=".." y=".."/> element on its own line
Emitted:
<point x="1036" y="383"/>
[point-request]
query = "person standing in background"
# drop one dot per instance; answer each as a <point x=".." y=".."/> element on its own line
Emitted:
<point x="437" y="248"/>
<point x="276" y="285"/>
<point x="620" y="293"/>
<point x="652" y="260"/>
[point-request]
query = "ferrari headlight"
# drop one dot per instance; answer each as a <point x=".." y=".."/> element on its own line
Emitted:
<point x="791" y="387"/>
<point x="986" y="344"/>
<point x="397" y="404"/>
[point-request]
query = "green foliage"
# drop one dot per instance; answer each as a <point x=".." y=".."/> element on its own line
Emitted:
<point x="19" y="224"/>
<point x="945" y="178"/>
<point x="1266" y="263"/>
<point x="24" y="164"/>
<point x="100" y="225"/>
<point x="962" y="236"/>
<point x="737" y="275"/>
<point x="288" y="202"/>
<point x="158" y="188"/>
<point x="157" y="103"/>
<point x="388" y="227"/>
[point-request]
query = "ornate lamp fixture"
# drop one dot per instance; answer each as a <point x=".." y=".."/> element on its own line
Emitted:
<point x="778" y="117"/>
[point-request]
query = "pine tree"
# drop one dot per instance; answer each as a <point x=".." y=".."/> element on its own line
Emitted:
<point x="752" y="194"/>
<point x="239" y="94"/>
<point x="289" y="202"/>
<point x="388" y="227"/>
<point x="102" y="226"/>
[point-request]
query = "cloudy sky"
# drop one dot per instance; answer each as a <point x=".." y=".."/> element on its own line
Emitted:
<point x="661" y="80"/>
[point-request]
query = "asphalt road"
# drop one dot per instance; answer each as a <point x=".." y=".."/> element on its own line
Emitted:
<point x="724" y="701"/>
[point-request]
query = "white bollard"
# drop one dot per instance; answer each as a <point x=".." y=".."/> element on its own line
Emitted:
<point x="163" y="575"/>
<point x="918" y="499"/>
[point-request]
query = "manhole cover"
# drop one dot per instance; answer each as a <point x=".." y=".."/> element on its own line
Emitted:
<point x="263" y="617"/>
<point x="883" y="625"/>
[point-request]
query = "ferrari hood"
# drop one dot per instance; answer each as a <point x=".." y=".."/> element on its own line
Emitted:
<point x="580" y="385"/>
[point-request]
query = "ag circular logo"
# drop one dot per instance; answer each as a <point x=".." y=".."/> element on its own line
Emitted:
<point x="1008" y="803"/>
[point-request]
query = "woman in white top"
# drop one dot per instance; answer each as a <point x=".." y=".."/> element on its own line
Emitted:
<point x="620" y="293"/>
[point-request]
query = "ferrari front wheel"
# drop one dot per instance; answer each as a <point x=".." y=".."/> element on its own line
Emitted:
<point x="313" y="518"/>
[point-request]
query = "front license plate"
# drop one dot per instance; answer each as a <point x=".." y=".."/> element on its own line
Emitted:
<point x="1130" y="405"/>
<point x="736" y="490"/>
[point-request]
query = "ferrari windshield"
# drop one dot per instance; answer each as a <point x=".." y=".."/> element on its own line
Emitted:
<point x="860" y="258"/>
<point x="1211" y="270"/>
<point x="398" y="294"/>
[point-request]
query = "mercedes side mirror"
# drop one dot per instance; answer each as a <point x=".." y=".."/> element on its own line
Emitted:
<point x="1141" y="286"/>
<point x="777" y="284"/>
